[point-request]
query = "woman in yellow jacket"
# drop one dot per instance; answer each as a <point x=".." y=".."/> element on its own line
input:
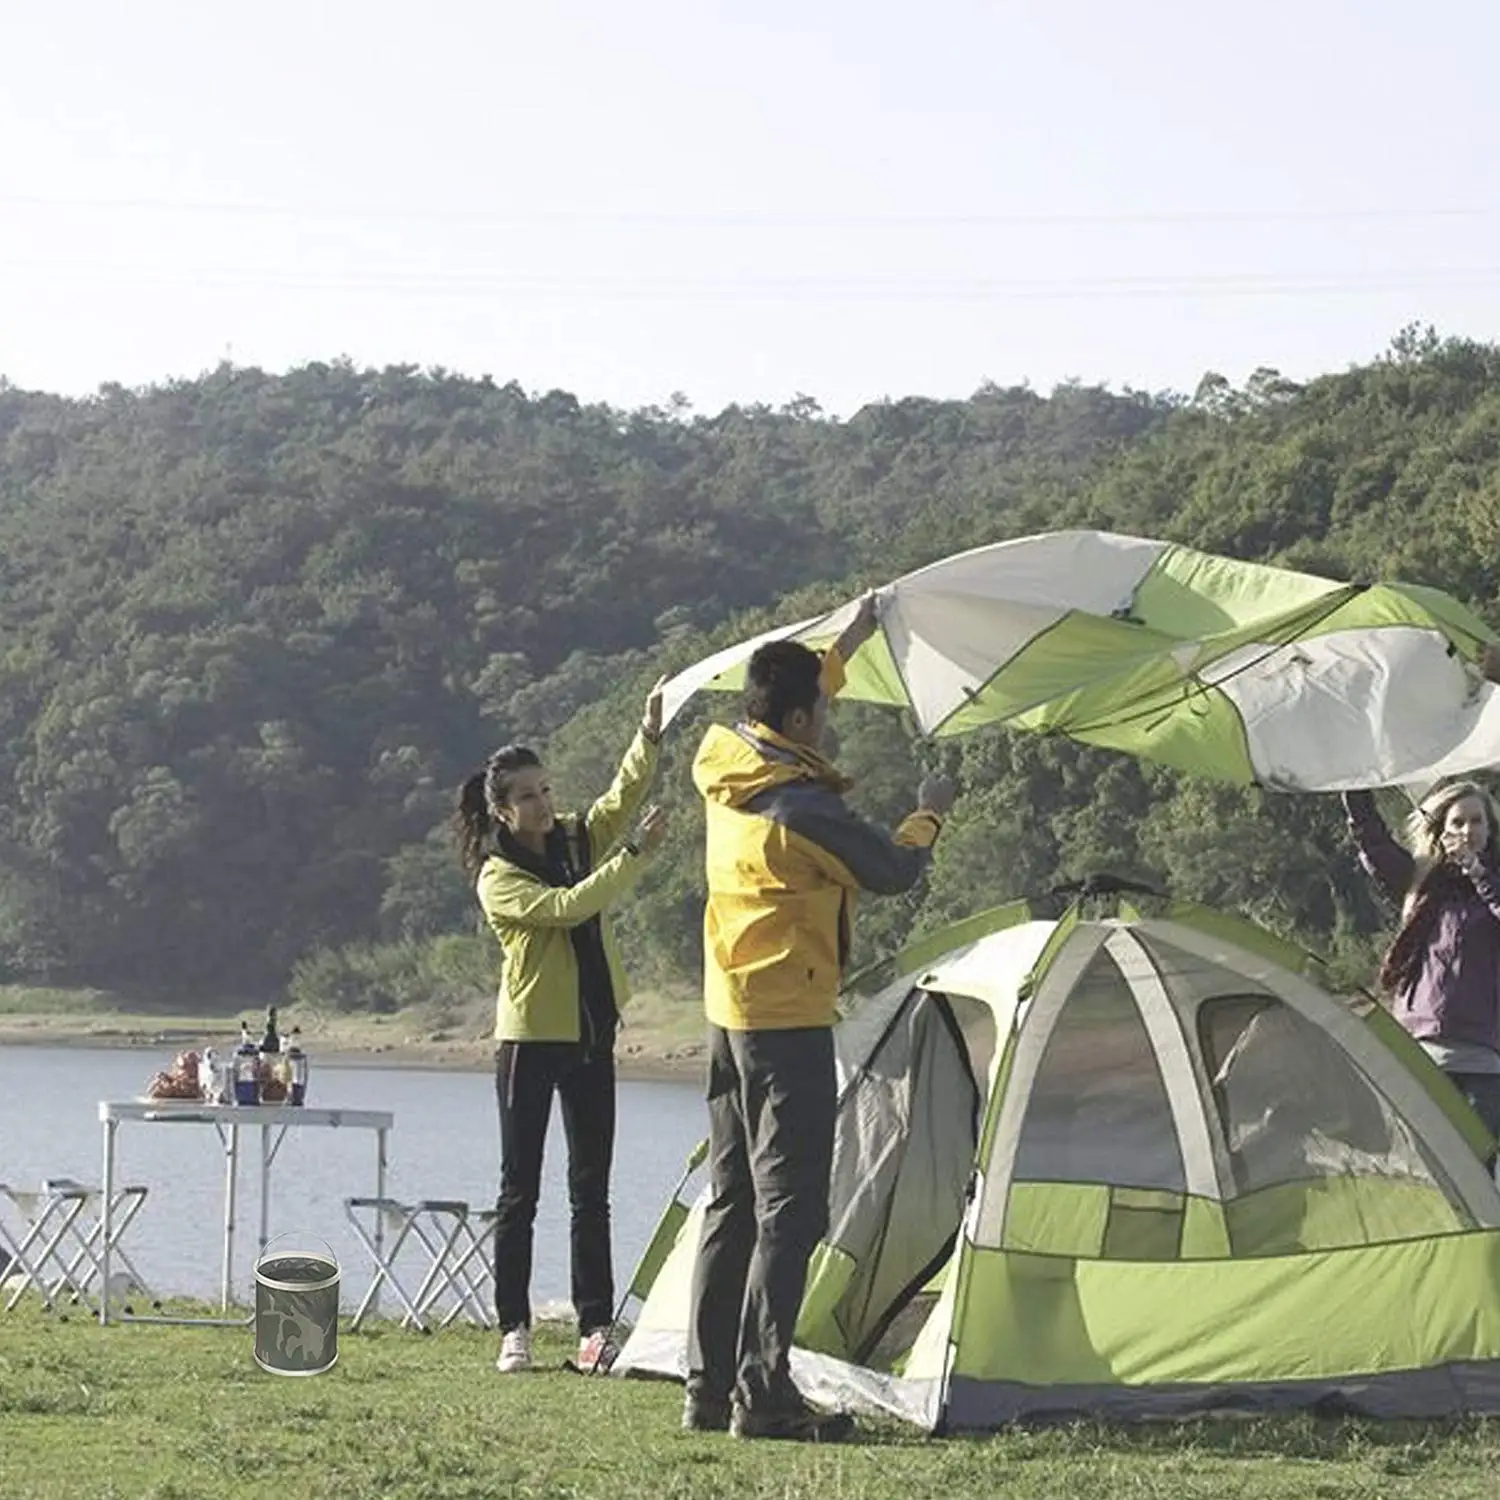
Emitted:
<point x="544" y="881"/>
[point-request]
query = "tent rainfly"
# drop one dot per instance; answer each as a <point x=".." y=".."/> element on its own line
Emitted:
<point x="1233" y="670"/>
<point x="1142" y="1166"/>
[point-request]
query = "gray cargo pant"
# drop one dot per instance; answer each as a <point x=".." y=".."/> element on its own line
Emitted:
<point x="1482" y="1090"/>
<point x="771" y="1101"/>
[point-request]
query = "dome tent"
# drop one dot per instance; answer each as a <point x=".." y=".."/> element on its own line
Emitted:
<point x="1130" y="1166"/>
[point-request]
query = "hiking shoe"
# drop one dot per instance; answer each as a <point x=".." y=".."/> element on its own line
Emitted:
<point x="704" y="1414"/>
<point x="597" y="1352"/>
<point x="515" y="1351"/>
<point x="792" y="1423"/>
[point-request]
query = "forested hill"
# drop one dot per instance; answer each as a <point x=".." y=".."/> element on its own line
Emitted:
<point x="255" y="628"/>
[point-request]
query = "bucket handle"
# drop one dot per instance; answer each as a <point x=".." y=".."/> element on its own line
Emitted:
<point x="286" y="1234"/>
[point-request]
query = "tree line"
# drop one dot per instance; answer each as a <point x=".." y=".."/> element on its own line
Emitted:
<point x="254" y="629"/>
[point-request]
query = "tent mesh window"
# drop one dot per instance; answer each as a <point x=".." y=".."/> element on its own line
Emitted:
<point x="1292" y="1105"/>
<point x="1098" y="1111"/>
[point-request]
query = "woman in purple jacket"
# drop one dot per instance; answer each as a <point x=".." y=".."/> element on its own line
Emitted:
<point x="1443" y="969"/>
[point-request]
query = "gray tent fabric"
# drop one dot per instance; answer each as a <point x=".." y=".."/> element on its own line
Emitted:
<point x="903" y="1157"/>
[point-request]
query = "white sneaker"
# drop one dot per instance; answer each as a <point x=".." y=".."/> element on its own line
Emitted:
<point x="515" y="1351"/>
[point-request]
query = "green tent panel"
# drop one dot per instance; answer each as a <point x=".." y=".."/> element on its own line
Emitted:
<point x="1130" y="1166"/>
<point x="1235" y="670"/>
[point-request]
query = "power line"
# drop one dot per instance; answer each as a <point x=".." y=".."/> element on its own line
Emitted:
<point x="501" y="285"/>
<point x="751" y="218"/>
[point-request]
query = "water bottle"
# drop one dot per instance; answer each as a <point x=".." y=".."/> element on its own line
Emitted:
<point x="208" y="1076"/>
<point x="298" y="1060"/>
<point x="246" y="1068"/>
<point x="273" y="1064"/>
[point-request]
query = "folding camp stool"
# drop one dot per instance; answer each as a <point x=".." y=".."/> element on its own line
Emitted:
<point x="442" y="1228"/>
<point x="476" y="1259"/>
<point x="17" y="1236"/>
<point x="62" y="1245"/>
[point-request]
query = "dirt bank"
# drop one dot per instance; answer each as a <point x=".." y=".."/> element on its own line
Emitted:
<point x="667" y="1052"/>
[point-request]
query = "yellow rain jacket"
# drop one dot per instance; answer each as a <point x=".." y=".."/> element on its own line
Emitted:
<point x="785" y="860"/>
<point x="539" y="991"/>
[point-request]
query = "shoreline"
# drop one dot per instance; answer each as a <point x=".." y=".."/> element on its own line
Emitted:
<point x="634" y="1060"/>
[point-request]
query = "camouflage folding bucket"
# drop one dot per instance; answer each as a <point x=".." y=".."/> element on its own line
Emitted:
<point x="296" y="1311"/>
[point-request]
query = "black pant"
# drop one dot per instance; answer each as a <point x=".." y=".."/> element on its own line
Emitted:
<point x="526" y="1074"/>
<point x="771" y="1102"/>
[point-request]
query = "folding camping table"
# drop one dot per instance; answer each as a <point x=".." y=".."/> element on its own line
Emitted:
<point x="227" y="1121"/>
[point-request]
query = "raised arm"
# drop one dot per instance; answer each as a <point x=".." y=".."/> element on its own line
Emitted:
<point x="836" y="658"/>
<point x="863" y="854"/>
<point x="850" y="850"/>
<point x="615" y="811"/>
<point x="510" y="895"/>
<point x="1485" y="880"/>
<point x="1385" y="861"/>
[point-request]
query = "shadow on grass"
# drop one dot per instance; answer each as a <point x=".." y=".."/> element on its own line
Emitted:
<point x="1403" y="1446"/>
<point x="1395" y="1446"/>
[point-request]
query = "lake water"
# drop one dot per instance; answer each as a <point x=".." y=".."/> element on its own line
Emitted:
<point x="444" y="1144"/>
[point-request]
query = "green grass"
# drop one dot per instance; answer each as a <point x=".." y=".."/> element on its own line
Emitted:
<point x="39" y="1000"/>
<point x="184" y="1414"/>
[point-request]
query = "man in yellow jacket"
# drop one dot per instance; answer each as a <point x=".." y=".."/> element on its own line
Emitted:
<point x="785" y="859"/>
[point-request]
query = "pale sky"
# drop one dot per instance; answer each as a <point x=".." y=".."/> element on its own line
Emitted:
<point x="743" y="202"/>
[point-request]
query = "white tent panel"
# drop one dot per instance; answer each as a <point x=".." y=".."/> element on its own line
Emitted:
<point x="991" y="969"/>
<point x="1095" y="571"/>
<point x="947" y="646"/>
<point x="1174" y="1058"/>
<point x="1354" y="707"/>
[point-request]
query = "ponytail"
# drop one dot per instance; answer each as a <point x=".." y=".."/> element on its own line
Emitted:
<point x="472" y="823"/>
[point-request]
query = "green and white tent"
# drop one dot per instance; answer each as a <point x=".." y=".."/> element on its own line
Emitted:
<point x="1234" y="670"/>
<point x="1132" y="1167"/>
